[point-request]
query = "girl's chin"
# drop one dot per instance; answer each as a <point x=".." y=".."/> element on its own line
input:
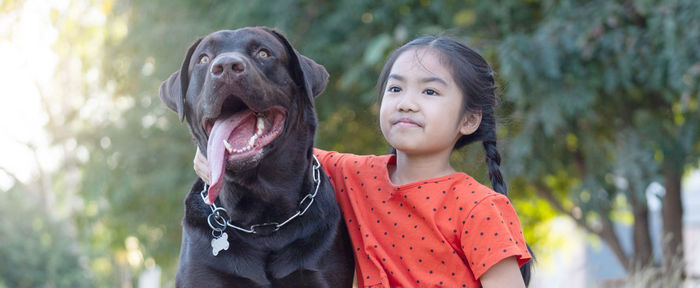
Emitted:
<point x="411" y="149"/>
<point x="419" y="148"/>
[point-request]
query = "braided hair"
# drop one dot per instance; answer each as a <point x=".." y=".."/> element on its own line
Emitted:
<point x="476" y="81"/>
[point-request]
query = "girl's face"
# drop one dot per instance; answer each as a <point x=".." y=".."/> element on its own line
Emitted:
<point x="421" y="110"/>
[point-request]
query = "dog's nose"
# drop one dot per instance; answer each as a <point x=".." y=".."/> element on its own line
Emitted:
<point x="227" y="64"/>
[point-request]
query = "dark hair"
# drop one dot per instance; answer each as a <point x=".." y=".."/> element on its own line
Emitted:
<point x="475" y="79"/>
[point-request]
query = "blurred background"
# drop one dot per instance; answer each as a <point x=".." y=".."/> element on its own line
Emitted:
<point x="600" y="127"/>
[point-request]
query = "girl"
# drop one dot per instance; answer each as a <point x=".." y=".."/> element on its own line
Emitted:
<point x="414" y="221"/>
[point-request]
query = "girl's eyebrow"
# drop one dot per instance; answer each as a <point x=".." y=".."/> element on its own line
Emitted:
<point x="397" y="77"/>
<point x="424" y="80"/>
<point x="434" y="79"/>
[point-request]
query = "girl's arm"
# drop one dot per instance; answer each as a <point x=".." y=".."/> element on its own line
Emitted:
<point x="201" y="167"/>
<point x="503" y="274"/>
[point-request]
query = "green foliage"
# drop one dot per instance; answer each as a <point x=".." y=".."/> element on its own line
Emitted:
<point x="608" y="95"/>
<point x="616" y="81"/>
<point x="36" y="249"/>
<point x="138" y="182"/>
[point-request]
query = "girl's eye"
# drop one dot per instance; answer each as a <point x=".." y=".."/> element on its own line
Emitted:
<point x="204" y="59"/>
<point x="394" y="89"/>
<point x="263" y="53"/>
<point x="431" y="92"/>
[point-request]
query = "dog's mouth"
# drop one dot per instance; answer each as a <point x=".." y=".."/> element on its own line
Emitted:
<point x="237" y="136"/>
<point x="241" y="129"/>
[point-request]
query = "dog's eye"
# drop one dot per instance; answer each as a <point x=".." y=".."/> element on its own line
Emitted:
<point x="204" y="59"/>
<point x="263" y="53"/>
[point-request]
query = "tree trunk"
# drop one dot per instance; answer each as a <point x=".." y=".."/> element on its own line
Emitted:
<point x="644" y="256"/>
<point x="672" y="212"/>
<point x="606" y="232"/>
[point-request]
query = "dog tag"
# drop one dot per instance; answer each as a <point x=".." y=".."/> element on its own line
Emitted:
<point x="219" y="243"/>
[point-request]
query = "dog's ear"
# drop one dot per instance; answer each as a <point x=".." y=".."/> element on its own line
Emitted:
<point x="307" y="73"/>
<point x="315" y="74"/>
<point x="171" y="95"/>
<point x="174" y="90"/>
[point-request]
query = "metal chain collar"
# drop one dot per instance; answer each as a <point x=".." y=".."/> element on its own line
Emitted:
<point x="221" y="219"/>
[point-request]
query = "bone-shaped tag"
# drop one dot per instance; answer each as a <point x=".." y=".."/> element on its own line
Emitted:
<point x="219" y="243"/>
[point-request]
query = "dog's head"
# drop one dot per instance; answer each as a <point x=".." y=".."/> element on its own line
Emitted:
<point x="244" y="94"/>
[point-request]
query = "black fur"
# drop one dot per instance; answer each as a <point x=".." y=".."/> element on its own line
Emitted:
<point x="313" y="250"/>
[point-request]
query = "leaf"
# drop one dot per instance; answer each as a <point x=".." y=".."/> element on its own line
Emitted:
<point x="376" y="49"/>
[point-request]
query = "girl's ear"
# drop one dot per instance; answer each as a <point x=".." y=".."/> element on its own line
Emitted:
<point x="470" y="123"/>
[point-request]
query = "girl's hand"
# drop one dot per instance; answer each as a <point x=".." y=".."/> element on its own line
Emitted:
<point x="503" y="274"/>
<point x="201" y="167"/>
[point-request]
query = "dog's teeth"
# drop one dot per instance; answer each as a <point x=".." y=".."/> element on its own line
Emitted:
<point x="251" y="141"/>
<point x="261" y="125"/>
<point x="228" y="147"/>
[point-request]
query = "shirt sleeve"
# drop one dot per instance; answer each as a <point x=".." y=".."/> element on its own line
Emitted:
<point x="492" y="233"/>
<point x="332" y="163"/>
<point x="328" y="159"/>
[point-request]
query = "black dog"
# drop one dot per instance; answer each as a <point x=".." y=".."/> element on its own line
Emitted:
<point x="248" y="96"/>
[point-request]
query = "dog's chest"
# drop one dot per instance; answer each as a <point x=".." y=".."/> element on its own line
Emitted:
<point x="256" y="260"/>
<point x="242" y="262"/>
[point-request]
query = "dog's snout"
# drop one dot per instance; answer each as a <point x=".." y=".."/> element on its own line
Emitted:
<point x="231" y="65"/>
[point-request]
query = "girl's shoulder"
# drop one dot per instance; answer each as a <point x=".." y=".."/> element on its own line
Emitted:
<point x="469" y="193"/>
<point x="465" y="184"/>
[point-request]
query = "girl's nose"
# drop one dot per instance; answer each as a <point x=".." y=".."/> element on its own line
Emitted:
<point x="408" y="102"/>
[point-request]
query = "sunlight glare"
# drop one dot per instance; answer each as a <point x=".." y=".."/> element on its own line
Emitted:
<point x="26" y="36"/>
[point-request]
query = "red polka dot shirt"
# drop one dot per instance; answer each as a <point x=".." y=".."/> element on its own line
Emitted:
<point x="445" y="231"/>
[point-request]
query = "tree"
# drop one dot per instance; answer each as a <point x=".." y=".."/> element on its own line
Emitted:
<point x="39" y="246"/>
<point x="607" y="97"/>
<point x="36" y="249"/>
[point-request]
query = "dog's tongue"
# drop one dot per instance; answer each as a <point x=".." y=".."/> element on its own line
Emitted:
<point x="216" y="151"/>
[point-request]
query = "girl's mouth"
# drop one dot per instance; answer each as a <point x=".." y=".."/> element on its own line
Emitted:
<point x="406" y="122"/>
